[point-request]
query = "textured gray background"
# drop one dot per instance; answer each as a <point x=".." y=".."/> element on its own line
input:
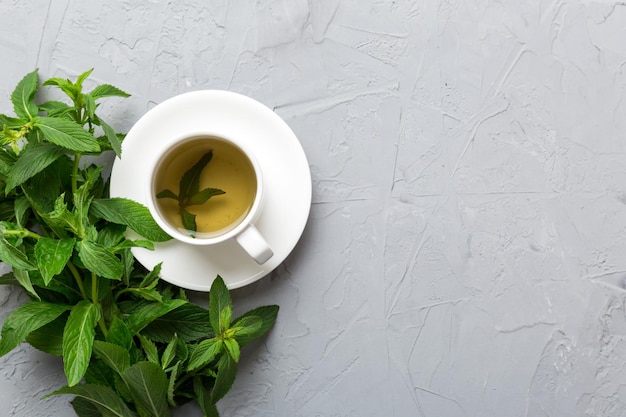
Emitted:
<point x="465" y="253"/>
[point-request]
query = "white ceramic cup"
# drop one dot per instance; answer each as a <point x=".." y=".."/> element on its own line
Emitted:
<point x="243" y="230"/>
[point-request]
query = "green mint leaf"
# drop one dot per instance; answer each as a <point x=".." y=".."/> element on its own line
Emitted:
<point x="23" y="97"/>
<point x="82" y="201"/>
<point x="203" y="196"/>
<point x="232" y="347"/>
<point x="219" y="300"/>
<point x="189" y="193"/>
<point x="31" y="161"/>
<point x="105" y="399"/>
<point x="52" y="255"/>
<point x="149" y="349"/>
<point x="148" y="385"/>
<point x="128" y="260"/>
<point x="92" y="175"/>
<point x="167" y="194"/>
<point x="61" y="217"/>
<point x="8" y="279"/>
<point x="131" y="214"/>
<point x="171" y="387"/>
<point x="67" y="134"/>
<point x="81" y="78"/>
<point x="247" y="326"/>
<point x="115" y="357"/>
<point x="169" y="354"/>
<point x="43" y="191"/>
<point x="226" y="373"/>
<point x="111" y="136"/>
<point x="23" y="277"/>
<point x="13" y="256"/>
<point x="99" y="373"/>
<point x="145" y="313"/>
<point x="67" y="86"/>
<point x="119" y="334"/>
<point x="151" y="279"/>
<point x="226" y="315"/>
<point x="99" y="260"/>
<point x="7" y="210"/>
<point x="111" y="234"/>
<point x="267" y="315"/>
<point x="12" y="122"/>
<point x="25" y="319"/>
<point x="90" y="106"/>
<point x="49" y="337"/>
<point x="189" y="220"/>
<point x="137" y="243"/>
<point x="190" y="182"/>
<point x="189" y="322"/>
<point x="204" y="353"/>
<point x="61" y="288"/>
<point x="54" y="108"/>
<point x="146" y="293"/>
<point x="6" y="162"/>
<point x="107" y="90"/>
<point x="182" y="351"/>
<point x="78" y="337"/>
<point x="84" y="408"/>
<point x="203" y="397"/>
<point x="21" y="207"/>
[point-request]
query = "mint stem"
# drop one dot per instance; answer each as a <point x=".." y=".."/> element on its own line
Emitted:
<point x="75" y="173"/>
<point x="96" y="301"/>
<point x="78" y="279"/>
<point x="22" y="233"/>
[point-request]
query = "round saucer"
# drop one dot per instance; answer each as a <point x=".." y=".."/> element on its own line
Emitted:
<point x="286" y="179"/>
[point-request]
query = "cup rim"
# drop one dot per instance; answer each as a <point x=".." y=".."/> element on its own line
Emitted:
<point x="178" y="140"/>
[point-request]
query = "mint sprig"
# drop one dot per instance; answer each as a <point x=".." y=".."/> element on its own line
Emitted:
<point x="131" y="345"/>
<point x="189" y="193"/>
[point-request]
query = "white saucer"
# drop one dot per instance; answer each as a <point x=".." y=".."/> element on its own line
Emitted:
<point x="286" y="176"/>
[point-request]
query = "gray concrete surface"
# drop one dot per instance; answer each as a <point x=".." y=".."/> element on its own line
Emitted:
<point x="465" y="253"/>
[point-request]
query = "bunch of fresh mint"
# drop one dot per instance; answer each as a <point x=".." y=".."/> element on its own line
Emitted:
<point x="131" y="345"/>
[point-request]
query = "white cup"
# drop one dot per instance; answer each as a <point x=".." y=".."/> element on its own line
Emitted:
<point x="168" y="165"/>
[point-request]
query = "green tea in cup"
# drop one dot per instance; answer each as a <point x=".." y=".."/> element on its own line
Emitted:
<point x="205" y="189"/>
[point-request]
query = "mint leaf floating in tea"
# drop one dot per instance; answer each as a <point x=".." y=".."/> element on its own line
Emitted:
<point x="189" y="193"/>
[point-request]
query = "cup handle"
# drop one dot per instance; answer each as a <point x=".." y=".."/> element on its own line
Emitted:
<point x="252" y="242"/>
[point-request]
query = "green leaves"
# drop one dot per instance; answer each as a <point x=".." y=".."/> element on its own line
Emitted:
<point x="25" y="319"/>
<point x="189" y="193"/>
<point x="66" y="134"/>
<point x="72" y="89"/>
<point x="99" y="259"/>
<point x="190" y="182"/>
<point x="224" y="349"/>
<point x="132" y="346"/>
<point x="52" y="255"/>
<point x="148" y="385"/>
<point x="32" y="161"/>
<point x="129" y="213"/>
<point x="13" y="256"/>
<point x="220" y="304"/>
<point x="150" y="370"/>
<point x="107" y="90"/>
<point x="103" y="398"/>
<point x="205" y="353"/>
<point x="226" y="373"/>
<point x="188" y="322"/>
<point x="114" y="356"/>
<point x="254" y="324"/>
<point x="78" y="338"/>
<point x="23" y="95"/>
<point x="111" y="136"/>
